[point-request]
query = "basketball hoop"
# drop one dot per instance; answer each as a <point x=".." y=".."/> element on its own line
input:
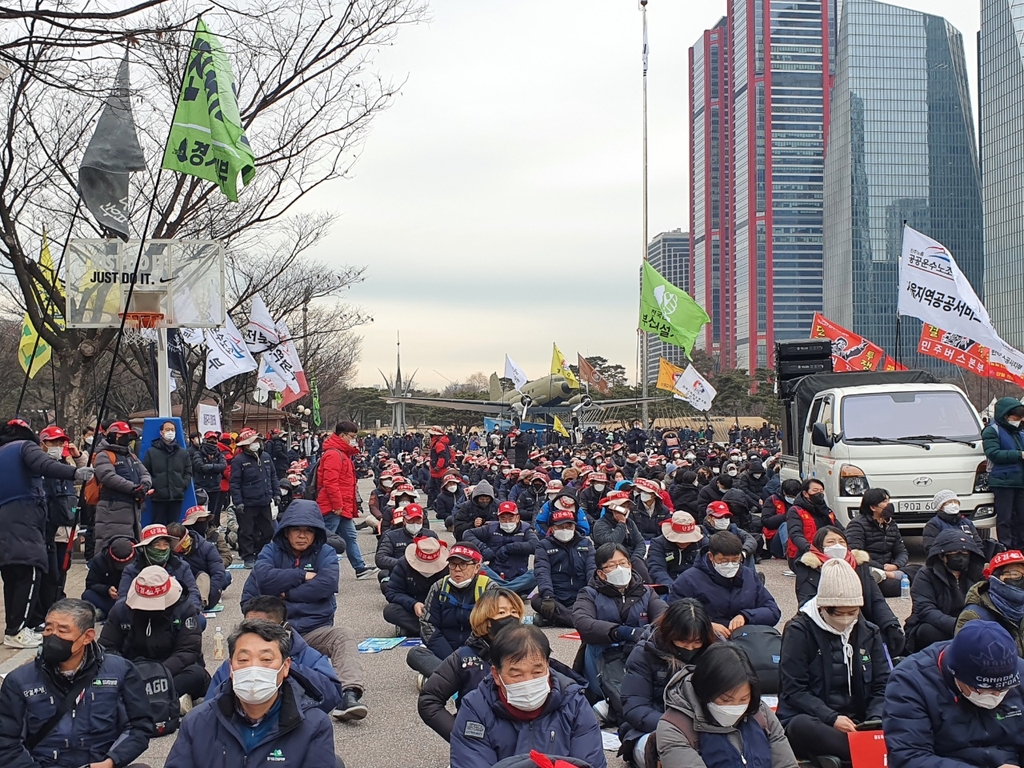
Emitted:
<point x="140" y="320"/>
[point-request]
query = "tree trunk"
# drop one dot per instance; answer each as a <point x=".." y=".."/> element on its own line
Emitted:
<point x="74" y="387"/>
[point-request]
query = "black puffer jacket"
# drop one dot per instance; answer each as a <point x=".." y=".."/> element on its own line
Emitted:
<point x="882" y="541"/>
<point x="208" y="465"/>
<point x="607" y="530"/>
<point x="752" y="486"/>
<point x="170" y="468"/>
<point x="684" y="497"/>
<point x="171" y="636"/>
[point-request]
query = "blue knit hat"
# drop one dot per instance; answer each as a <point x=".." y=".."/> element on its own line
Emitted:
<point x="983" y="655"/>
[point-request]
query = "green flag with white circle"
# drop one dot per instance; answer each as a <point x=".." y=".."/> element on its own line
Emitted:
<point x="668" y="311"/>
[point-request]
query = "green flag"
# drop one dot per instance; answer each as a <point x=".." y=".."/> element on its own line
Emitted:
<point x="316" y="400"/>
<point x="668" y="312"/>
<point x="207" y="139"/>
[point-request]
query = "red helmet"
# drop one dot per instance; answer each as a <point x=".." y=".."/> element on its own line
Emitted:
<point x="121" y="428"/>
<point x="53" y="433"/>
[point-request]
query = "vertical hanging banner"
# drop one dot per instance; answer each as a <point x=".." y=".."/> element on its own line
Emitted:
<point x="226" y="354"/>
<point x="850" y="351"/>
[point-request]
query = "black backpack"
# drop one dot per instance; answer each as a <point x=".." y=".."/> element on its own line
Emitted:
<point x="763" y="646"/>
<point x="312" y="476"/>
<point x="163" y="701"/>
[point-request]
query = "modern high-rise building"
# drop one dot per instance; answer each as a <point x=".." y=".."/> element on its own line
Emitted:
<point x="1001" y="76"/>
<point x="901" y="148"/>
<point x="759" y="112"/>
<point x="669" y="253"/>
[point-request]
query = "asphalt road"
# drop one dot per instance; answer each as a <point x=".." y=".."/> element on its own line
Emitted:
<point x="392" y="736"/>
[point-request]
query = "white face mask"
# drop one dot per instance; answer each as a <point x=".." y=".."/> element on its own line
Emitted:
<point x="529" y="695"/>
<point x="839" y="623"/>
<point x="88" y="440"/>
<point x="505" y="472"/>
<point x="720" y="523"/>
<point x="726" y="715"/>
<point x="620" y="577"/>
<point x="462" y="584"/>
<point x="1013" y="423"/>
<point x="951" y="509"/>
<point x="353" y="441"/>
<point x="728" y="570"/>
<point x="451" y="488"/>
<point x="551" y="496"/>
<point x="255" y="685"/>
<point x="509" y="527"/>
<point x="565" y="534"/>
<point x="836" y="552"/>
<point x="55" y="453"/>
<point x="413" y="528"/>
<point x="732" y="473"/>
<point x="986" y="700"/>
<point x="387" y="483"/>
<point x="646" y="497"/>
<point x="255" y="446"/>
<point x="168" y="435"/>
<point x="598" y="487"/>
<point x="790" y="499"/>
<point x="403" y="503"/>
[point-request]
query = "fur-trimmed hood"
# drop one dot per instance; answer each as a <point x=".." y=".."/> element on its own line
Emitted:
<point x="814" y="559"/>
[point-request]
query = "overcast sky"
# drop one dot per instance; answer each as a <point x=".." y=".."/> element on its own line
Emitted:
<point x="497" y="204"/>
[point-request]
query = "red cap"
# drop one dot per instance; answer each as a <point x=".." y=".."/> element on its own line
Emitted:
<point x="211" y="433"/>
<point x="721" y="509"/>
<point x="18" y="423"/>
<point x="121" y="428"/>
<point x="466" y="553"/>
<point x="563" y="516"/>
<point x="53" y="433"/>
<point x="508" y="508"/>
<point x="410" y="511"/>
<point x="1003" y="558"/>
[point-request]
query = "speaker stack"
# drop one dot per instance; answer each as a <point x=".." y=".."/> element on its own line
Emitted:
<point x="796" y="359"/>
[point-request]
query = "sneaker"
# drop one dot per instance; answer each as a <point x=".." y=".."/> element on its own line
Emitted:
<point x="601" y="710"/>
<point x="350" y="708"/>
<point x="26" y="638"/>
<point x="788" y="572"/>
<point x="185" y="704"/>
<point x="420" y="680"/>
<point x="367" y="572"/>
<point x="249" y="562"/>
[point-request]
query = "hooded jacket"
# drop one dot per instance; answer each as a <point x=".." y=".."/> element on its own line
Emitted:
<point x="543" y="519"/>
<point x="562" y="569"/>
<point x="170" y="467"/>
<point x="929" y="725"/>
<point x="601" y="610"/>
<point x="485" y="731"/>
<point x="684" y="497"/>
<point x="336" y="478"/>
<point x="723" y="598"/>
<point x="979" y="605"/>
<point x="752" y="486"/>
<point x="174" y="566"/>
<point x="468" y="511"/>
<point x="745" y="737"/>
<point x="1004" y="446"/>
<point x="938" y="596"/>
<point x="210" y="735"/>
<point x="278" y="571"/>
<point x="208" y="465"/>
<point x="508" y="553"/>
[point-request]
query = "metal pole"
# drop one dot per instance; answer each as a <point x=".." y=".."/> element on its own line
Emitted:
<point x="643" y="336"/>
<point x="163" y="375"/>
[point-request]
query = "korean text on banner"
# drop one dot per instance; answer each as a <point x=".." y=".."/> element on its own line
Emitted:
<point x="515" y="373"/>
<point x="669" y="312"/>
<point x="668" y="375"/>
<point x="952" y="348"/>
<point x="695" y="389"/>
<point x="850" y="351"/>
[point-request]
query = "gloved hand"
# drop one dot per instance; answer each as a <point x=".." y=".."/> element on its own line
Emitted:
<point x="84" y="474"/>
<point x="894" y="639"/>
<point x="627" y="634"/>
<point x="239" y="508"/>
<point x="547" y="608"/>
<point x="139" y="492"/>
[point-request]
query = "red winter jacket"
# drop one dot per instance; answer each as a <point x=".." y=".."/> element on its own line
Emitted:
<point x="336" y="478"/>
<point x="440" y="456"/>
<point x="228" y="454"/>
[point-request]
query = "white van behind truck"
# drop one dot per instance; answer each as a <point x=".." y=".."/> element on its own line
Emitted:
<point x="901" y="430"/>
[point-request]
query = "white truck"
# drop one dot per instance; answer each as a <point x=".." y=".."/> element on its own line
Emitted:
<point x="901" y="430"/>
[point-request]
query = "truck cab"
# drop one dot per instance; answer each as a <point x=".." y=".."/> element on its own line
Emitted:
<point x="911" y="437"/>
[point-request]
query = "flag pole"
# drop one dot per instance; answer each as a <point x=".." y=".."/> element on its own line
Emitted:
<point x="643" y="335"/>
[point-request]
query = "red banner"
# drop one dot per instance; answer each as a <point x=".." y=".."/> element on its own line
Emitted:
<point x="954" y="349"/>
<point x="850" y="351"/>
<point x="891" y="365"/>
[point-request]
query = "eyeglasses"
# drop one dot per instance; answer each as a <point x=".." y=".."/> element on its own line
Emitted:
<point x="460" y="565"/>
<point x="609" y="567"/>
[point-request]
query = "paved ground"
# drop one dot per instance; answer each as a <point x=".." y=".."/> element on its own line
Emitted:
<point x="392" y="736"/>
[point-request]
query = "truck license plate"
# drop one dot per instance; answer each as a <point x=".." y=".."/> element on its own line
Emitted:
<point x="912" y="506"/>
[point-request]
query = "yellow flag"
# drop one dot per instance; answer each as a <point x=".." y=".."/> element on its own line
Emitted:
<point x="668" y="374"/>
<point x="560" y="365"/>
<point x="30" y="363"/>
<point x="559" y="428"/>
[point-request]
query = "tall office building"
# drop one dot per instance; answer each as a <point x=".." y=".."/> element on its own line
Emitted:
<point x="901" y="148"/>
<point x="759" y="113"/>
<point x="669" y="253"/>
<point x="1001" y="63"/>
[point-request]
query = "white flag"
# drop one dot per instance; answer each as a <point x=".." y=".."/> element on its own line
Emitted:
<point x="226" y="354"/>
<point x="933" y="288"/>
<point x="261" y="333"/>
<point x="208" y="417"/>
<point x="272" y="377"/>
<point x="695" y="389"/>
<point x="289" y="348"/>
<point x="515" y="373"/>
<point x="192" y="336"/>
<point x="646" y="47"/>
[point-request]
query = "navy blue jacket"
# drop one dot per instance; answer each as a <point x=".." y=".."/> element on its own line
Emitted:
<point x="407" y="586"/>
<point x="309" y="664"/>
<point x="171" y="636"/>
<point x="253" y="480"/>
<point x="562" y="570"/>
<point x="724" y="598"/>
<point x="204" y="558"/>
<point x="210" y="735"/>
<point x="486" y="733"/>
<point x="103" y="573"/>
<point x="391" y="546"/>
<point x="928" y="724"/>
<point x="648" y="670"/>
<point x="114" y="705"/>
<point x="175" y="566"/>
<point x="601" y="609"/>
<point x="444" y="625"/>
<point x="666" y="559"/>
<point x="208" y="465"/>
<point x="311" y="604"/>
<point x="508" y="553"/>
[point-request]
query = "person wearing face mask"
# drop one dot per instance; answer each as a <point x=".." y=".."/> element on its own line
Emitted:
<point x="70" y="665"/>
<point x="261" y="715"/>
<point x="676" y="549"/>
<point x="170" y="467"/>
<point x="201" y="556"/>
<point x="649" y="510"/>
<point x="506" y="545"/>
<point x="715" y="717"/>
<point x="617" y="526"/>
<point x="720" y="518"/>
<point x="407" y="526"/>
<point x="61" y="498"/>
<point x="939" y="592"/>
<point x="525" y="705"/>
<point x="999" y="597"/>
<point x="441" y="458"/>
<point x="808" y="513"/>
<point x="874" y="531"/>
<point x="156" y="547"/>
<point x="610" y="615"/>
<point x="714" y="490"/>
<point x="208" y="465"/>
<point x="830" y="543"/>
<point x="773" y="518"/>
<point x="684" y="491"/>
<point x="832" y="670"/>
<point x="452" y="494"/>
<point x="594" y="491"/>
<point x="402" y="496"/>
<point x="380" y="496"/>
<point x="563" y="565"/>
<point x="157" y="621"/>
<point x="103" y="578"/>
<point x="561" y="500"/>
<point x="948" y="517"/>
<point x="124" y="483"/>
<point x="675" y="641"/>
<point x="480" y="508"/>
<point x="732" y="595"/>
<point x="531" y="498"/>
<point x="254" y="486"/>
<point x="1003" y="439"/>
<point x="950" y="705"/>
<point x="752" y="482"/>
<point x="422" y="564"/>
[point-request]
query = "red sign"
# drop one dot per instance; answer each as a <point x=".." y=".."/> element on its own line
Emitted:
<point x="955" y="349"/>
<point x="850" y="351"/>
<point x="867" y="748"/>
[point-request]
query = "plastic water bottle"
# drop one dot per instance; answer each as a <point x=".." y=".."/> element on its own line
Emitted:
<point x="219" y="649"/>
<point x="905" y="587"/>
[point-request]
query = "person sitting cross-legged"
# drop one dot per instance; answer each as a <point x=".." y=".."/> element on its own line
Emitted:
<point x="422" y="563"/>
<point x="507" y="544"/>
<point x="258" y="716"/>
<point x="563" y="564"/>
<point x="406" y="525"/>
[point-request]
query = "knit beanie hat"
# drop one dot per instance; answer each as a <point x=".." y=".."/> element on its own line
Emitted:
<point x="839" y="586"/>
<point x="942" y="498"/>
<point x="983" y="655"/>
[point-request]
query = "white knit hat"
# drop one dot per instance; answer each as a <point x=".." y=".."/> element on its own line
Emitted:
<point x="839" y="586"/>
<point x="942" y="498"/>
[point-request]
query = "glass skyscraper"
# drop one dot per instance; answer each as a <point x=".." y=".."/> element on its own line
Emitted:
<point x="901" y="148"/>
<point x="669" y="253"/>
<point x="1001" y="61"/>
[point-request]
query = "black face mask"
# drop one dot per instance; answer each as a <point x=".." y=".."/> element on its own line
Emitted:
<point x="125" y="440"/>
<point x="201" y="528"/>
<point x="958" y="562"/>
<point x="887" y="513"/>
<point x="817" y="499"/>
<point x="56" y="650"/>
<point x="688" y="656"/>
<point x="497" y="625"/>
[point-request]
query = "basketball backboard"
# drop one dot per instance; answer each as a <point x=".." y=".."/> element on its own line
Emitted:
<point x="181" y="279"/>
